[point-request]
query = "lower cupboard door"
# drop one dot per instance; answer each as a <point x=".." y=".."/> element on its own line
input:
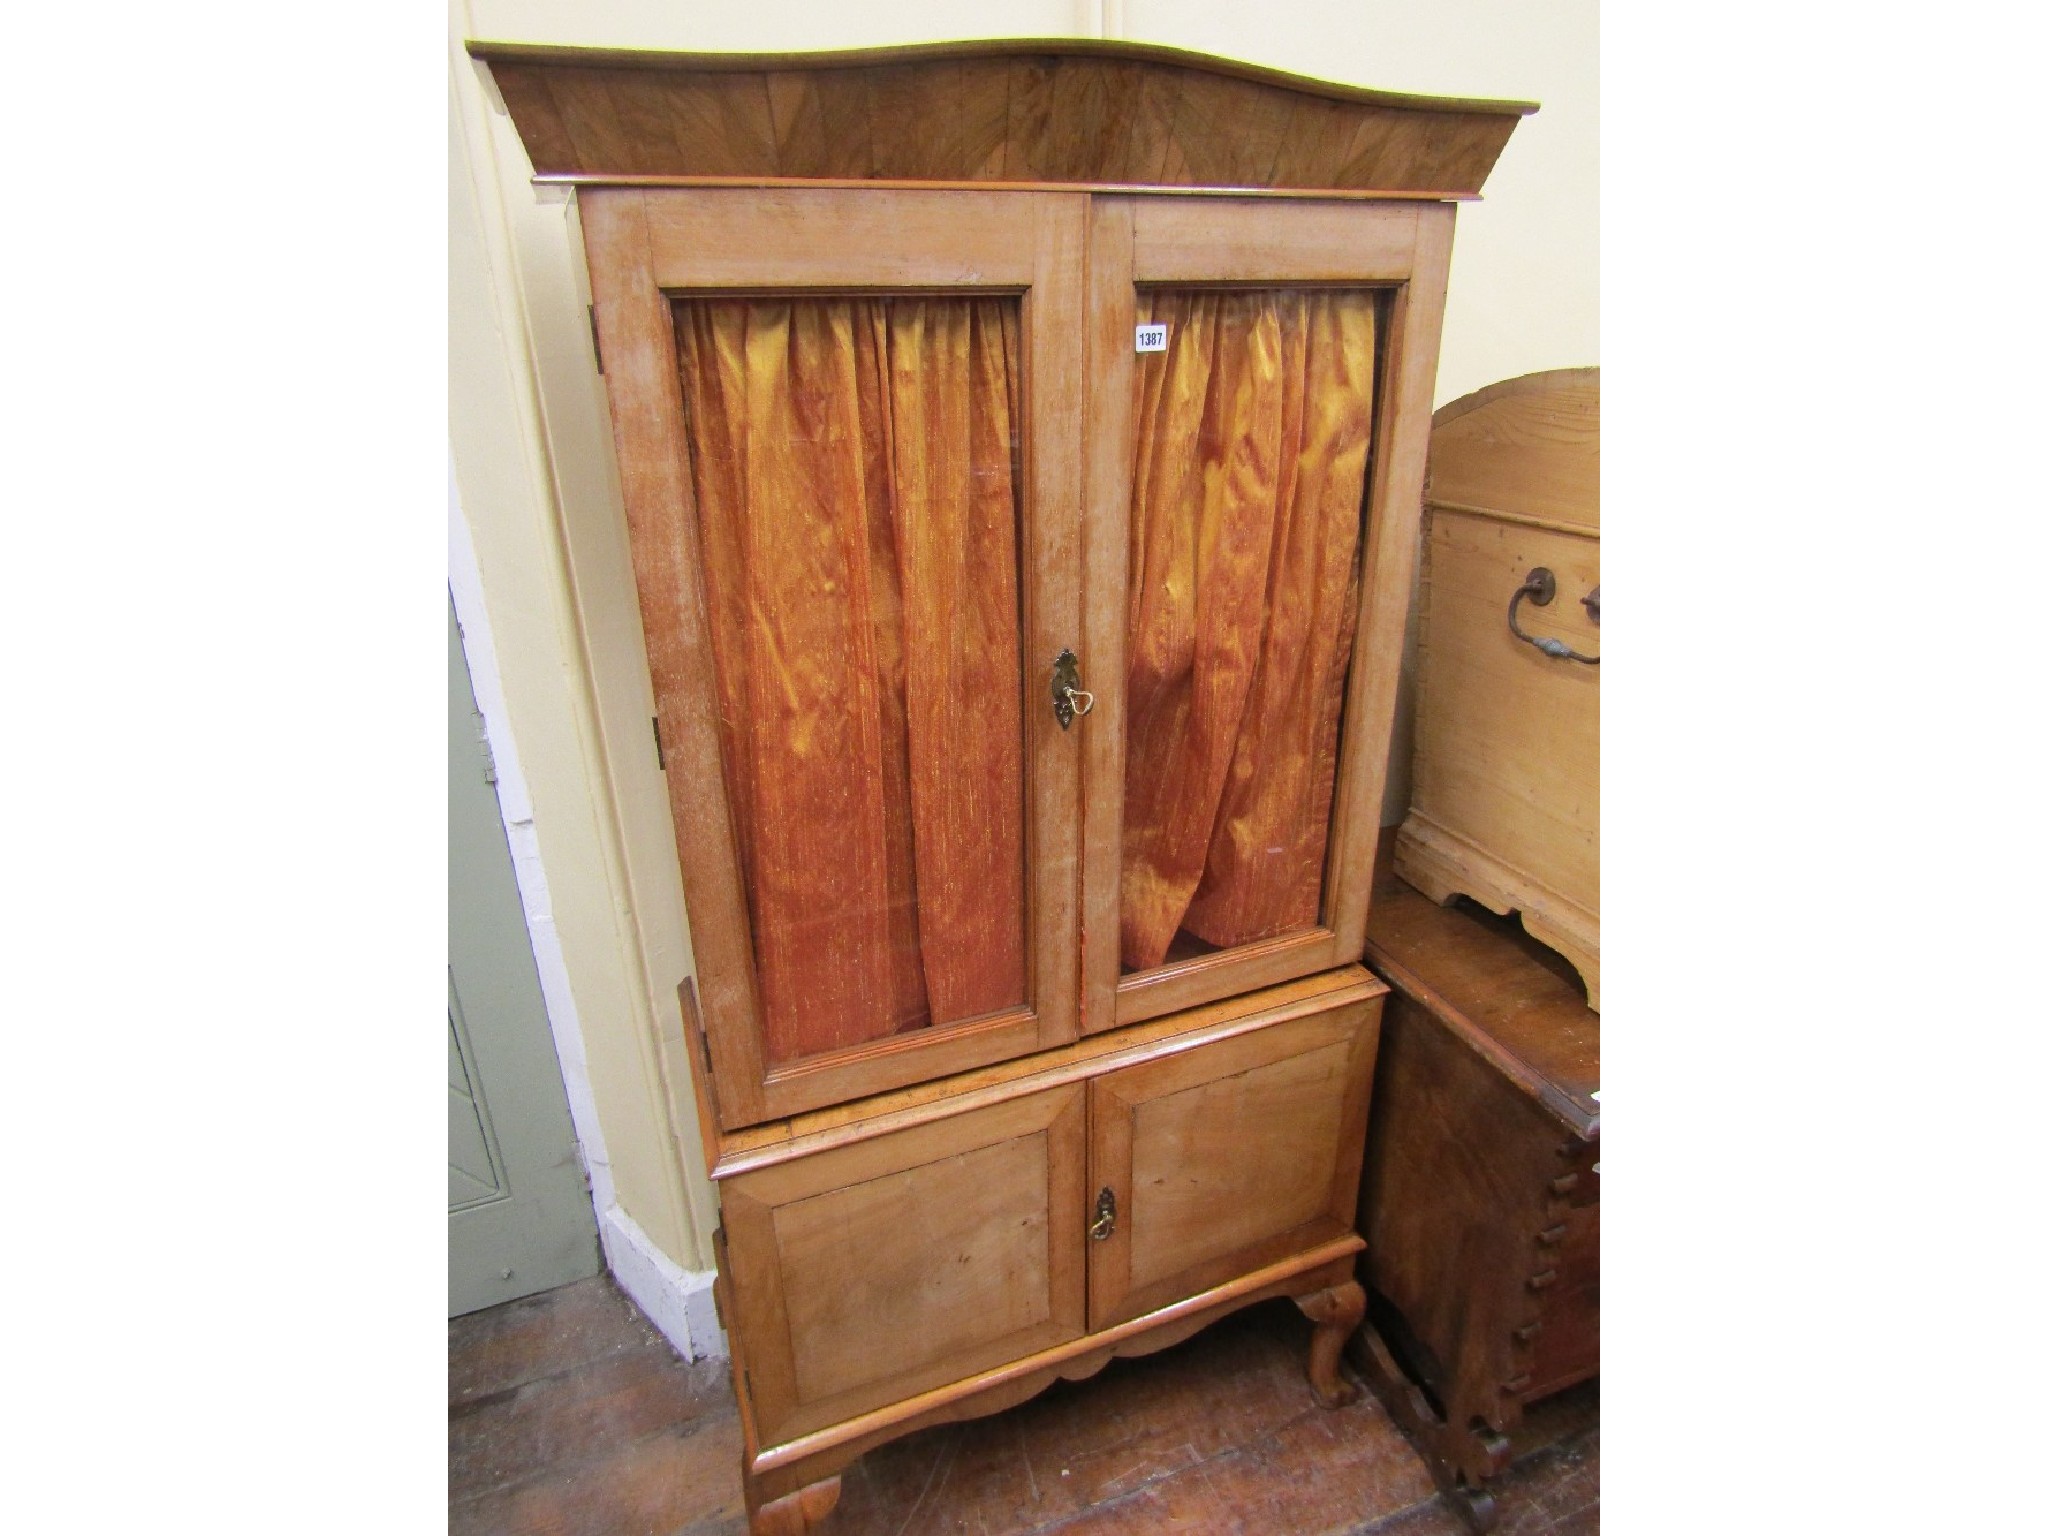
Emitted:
<point x="1227" y="1158"/>
<point x="867" y="1273"/>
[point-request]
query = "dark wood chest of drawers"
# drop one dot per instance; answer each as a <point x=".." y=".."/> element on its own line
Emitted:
<point x="1481" y="1198"/>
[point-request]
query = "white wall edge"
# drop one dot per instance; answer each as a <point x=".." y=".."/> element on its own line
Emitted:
<point x="465" y="586"/>
<point x="676" y="1300"/>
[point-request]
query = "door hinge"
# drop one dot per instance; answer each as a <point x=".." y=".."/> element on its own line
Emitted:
<point x="659" y="761"/>
<point x="686" y="991"/>
<point x="596" y="346"/>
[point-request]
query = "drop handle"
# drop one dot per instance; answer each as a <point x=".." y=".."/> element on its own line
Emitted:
<point x="1105" y="1215"/>
<point x="1069" y="698"/>
<point x="1540" y="588"/>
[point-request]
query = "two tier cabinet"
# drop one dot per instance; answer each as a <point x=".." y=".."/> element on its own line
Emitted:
<point x="1021" y="448"/>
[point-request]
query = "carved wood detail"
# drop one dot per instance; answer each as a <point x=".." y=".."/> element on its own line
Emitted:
<point x="1336" y="1313"/>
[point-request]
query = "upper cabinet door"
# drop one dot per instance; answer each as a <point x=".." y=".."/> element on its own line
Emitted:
<point x="1260" y="377"/>
<point x="849" y="442"/>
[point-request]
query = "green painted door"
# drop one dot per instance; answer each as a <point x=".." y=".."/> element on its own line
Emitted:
<point x="519" y="1216"/>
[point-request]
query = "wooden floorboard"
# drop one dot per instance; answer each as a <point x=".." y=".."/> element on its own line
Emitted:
<point x="570" y="1416"/>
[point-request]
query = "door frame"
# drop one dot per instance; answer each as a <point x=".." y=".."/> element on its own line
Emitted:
<point x="536" y="1228"/>
<point x="1403" y="248"/>
<point x="645" y="246"/>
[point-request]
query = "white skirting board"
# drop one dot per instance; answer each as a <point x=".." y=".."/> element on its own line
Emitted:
<point x="676" y="1300"/>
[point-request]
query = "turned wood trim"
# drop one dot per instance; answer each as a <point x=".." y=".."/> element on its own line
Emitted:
<point x="1066" y="111"/>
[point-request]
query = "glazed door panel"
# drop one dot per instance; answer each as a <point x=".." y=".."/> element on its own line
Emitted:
<point x="869" y="1273"/>
<point x="1227" y="1157"/>
<point x="1254" y="486"/>
<point x="849" y="451"/>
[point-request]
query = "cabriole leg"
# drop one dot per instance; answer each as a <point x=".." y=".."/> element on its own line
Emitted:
<point x="1335" y="1312"/>
<point x="796" y="1513"/>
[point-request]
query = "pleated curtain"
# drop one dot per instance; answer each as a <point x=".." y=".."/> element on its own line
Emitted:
<point x="1252" y="432"/>
<point x="853" y="461"/>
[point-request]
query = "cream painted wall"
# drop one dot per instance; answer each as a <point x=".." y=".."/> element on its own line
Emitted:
<point x="527" y="441"/>
<point x="538" y="487"/>
<point x="1525" y="268"/>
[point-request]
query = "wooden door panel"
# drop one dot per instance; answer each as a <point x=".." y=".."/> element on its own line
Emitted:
<point x="867" y="1273"/>
<point x="1227" y="1157"/>
<point x="1201" y="1208"/>
<point x="650" y="249"/>
<point x="1237" y="936"/>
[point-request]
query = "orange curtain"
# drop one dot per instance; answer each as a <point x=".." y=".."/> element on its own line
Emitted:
<point x="853" y="468"/>
<point x="1252" y="432"/>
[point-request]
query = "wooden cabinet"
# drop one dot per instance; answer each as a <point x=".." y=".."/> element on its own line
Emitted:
<point x="1481" y="1196"/>
<point x="949" y="1249"/>
<point x="1506" y="807"/>
<point x="1021" y="448"/>
<point x="820" y="703"/>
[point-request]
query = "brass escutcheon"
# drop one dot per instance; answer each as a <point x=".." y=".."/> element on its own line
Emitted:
<point x="1105" y="1215"/>
<point x="1069" y="698"/>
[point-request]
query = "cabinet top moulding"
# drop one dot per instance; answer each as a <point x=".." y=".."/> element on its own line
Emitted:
<point x="1081" y="114"/>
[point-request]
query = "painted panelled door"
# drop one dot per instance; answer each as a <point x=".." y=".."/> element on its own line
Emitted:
<point x="519" y="1216"/>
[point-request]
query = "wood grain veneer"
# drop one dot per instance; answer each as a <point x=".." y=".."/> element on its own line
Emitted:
<point x="1224" y="1159"/>
<point x="1034" y="111"/>
<point x="886" y="1267"/>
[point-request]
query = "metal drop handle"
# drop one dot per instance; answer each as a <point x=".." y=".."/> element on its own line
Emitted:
<point x="1540" y="587"/>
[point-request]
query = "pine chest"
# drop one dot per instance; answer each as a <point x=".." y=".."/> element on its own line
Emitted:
<point x="1506" y="801"/>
